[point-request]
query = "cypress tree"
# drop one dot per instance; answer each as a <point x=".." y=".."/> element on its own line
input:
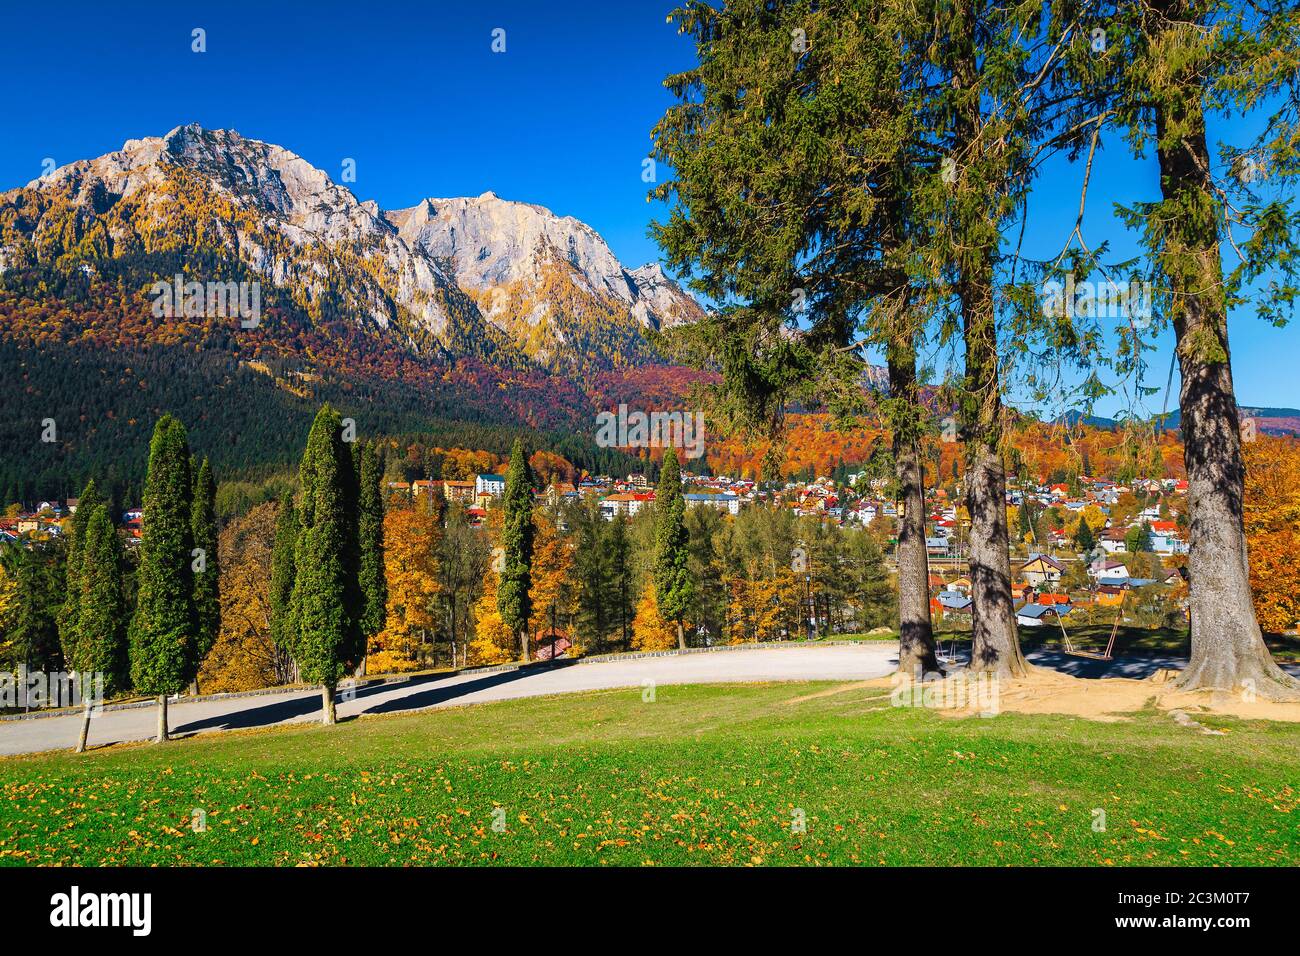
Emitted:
<point x="370" y="532"/>
<point x="76" y="532"/>
<point x="283" y="629"/>
<point x="619" y="549"/>
<point x="207" y="574"/>
<point x="592" y="569"/>
<point x="101" y="623"/>
<point x="326" y="597"/>
<point x="163" y="627"/>
<point x="513" y="600"/>
<point x="674" y="589"/>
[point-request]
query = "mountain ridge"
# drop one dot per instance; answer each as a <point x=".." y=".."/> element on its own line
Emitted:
<point x="415" y="275"/>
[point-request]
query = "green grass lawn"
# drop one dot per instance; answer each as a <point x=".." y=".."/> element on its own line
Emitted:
<point x="701" y="775"/>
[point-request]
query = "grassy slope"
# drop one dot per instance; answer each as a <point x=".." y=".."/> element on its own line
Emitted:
<point x="704" y="774"/>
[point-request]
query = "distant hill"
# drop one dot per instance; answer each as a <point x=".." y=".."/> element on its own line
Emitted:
<point x="1073" y="418"/>
<point x="1270" y="421"/>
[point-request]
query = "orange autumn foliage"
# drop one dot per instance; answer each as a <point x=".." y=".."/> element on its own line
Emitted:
<point x="552" y="571"/>
<point x="243" y="656"/>
<point x="1272" y="520"/>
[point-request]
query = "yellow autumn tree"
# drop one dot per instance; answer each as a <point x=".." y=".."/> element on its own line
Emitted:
<point x="1095" y="517"/>
<point x="8" y="611"/>
<point x="411" y="568"/>
<point x="243" y="657"/>
<point x="493" y="643"/>
<point x="552" y="589"/>
<point x="763" y="606"/>
<point x="650" y="632"/>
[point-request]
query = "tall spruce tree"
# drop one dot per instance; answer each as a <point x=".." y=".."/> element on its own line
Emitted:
<point x="206" y="565"/>
<point x="592" y="570"/>
<point x="101" y="643"/>
<point x="795" y="158"/>
<point x="619" y="550"/>
<point x="517" y="535"/>
<point x="370" y="531"/>
<point x="75" y="530"/>
<point x="674" y="587"/>
<point x="1178" y="66"/>
<point x="326" y="610"/>
<point x="34" y="635"/>
<point x="974" y="87"/>
<point x="708" y="611"/>
<point x="163" y="627"/>
<point x="1084" y="540"/>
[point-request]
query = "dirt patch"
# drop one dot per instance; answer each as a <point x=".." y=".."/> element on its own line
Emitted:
<point x="841" y="689"/>
<point x="1043" y="691"/>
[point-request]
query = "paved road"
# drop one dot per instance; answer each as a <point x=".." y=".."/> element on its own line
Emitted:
<point x="857" y="662"/>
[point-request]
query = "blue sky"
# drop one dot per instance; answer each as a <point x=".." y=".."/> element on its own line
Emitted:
<point x="414" y="94"/>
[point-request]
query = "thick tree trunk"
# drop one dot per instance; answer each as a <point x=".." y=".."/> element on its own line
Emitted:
<point x="995" y="643"/>
<point x="162" y="719"/>
<point x="85" y="726"/>
<point x="916" y="650"/>
<point x="681" y="637"/>
<point x="1228" y="650"/>
<point x="523" y="645"/>
<point x="328" y="714"/>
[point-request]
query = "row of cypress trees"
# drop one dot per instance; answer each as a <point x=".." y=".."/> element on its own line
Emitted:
<point x="177" y="611"/>
<point x="327" y="590"/>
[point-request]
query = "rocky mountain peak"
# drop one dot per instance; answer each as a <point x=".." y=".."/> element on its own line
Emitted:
<point x="431" y="261"/>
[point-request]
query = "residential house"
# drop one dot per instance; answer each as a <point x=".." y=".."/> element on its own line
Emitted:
<point x="1113" y="540"/>
<point x="424" y="488"/>
<point x="1165" y="539"/>
<point x="1041" y="569"/>
<point x="626" y="503"/>
<point x="936" y="547"/>
<point x="1102" y="570"/>
<point x="1035" y="615"/>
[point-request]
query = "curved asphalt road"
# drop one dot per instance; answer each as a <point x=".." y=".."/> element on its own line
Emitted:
<point x="852" y="662"/>
<point x="771" y="663"/>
